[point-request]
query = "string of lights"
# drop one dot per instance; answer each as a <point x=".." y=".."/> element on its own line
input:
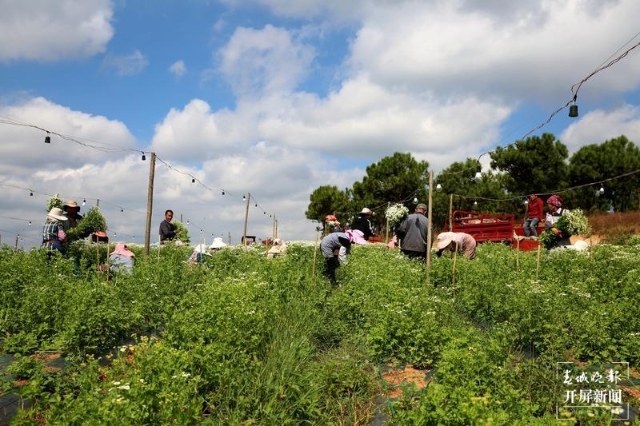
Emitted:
<point x="102" y="202"/>
<point x="575" y="88"/>
<point x="110" y="148"/>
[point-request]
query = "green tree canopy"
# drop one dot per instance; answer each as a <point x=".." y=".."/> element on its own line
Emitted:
<point x="399" y="178"/>
<point x="535" y="165"/>
<point x="326" y="200"/>
<point x="593" y="163"/>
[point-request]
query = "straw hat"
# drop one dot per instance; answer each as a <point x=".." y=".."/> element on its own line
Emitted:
<point x="57" y="213"/>
<point x="444" y="239"/>
<point x="366" y="211"/>
<point x="71" y="204"/>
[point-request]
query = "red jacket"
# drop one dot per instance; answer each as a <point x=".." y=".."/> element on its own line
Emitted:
<point x="535" y="208"/>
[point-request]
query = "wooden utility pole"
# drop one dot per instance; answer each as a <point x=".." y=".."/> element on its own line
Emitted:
<point x="274" y="234"/>
<point x="147" y="232"/>
<point x="429" y="220"/>
<point x="246" y="218"/>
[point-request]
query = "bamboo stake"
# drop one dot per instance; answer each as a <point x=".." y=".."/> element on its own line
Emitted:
<point x="315" y="253"/>
<point x="453" y="272"/>
<point x="517" y="257"/>
<point x="538" y="264"/>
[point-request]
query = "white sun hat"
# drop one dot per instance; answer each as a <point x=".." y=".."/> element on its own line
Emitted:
<point x="217" y="243"/>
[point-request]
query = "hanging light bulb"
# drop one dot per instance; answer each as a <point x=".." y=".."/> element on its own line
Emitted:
<point x="256" y="204"/>
<point x="264" y="212"/>
<point x="47" y="139"/>
<point x="193" y="180"/>
<point x="144" y="157"/>
<point x="438" y="187"/>
<point x="243" y="197"/>
<point x="121" y="210"/>
<point x="415" y="200"/>
<point x="475" y="202"/>
<point x="601" y="190"/>
<point x="573" y="110"/>
<point x="114" y="234"/>
<point x="29" y="223"/>
<point x="223" y="192"/>
<point x="84" y="202"/>
<point x="187" y="221"/>
<point x="31" y="193"/>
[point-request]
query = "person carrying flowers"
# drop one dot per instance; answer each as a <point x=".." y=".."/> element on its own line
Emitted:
<point x="561" y="223"/>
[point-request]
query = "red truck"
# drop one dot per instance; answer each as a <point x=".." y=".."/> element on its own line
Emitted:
<point x="497" y="228"/>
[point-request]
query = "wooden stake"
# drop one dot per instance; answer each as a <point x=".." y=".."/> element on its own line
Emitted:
<point x="453" y="272"/>
<point x="538" y="265"/>
<point x="517" y="257"/>
<point x="315" y="254"/>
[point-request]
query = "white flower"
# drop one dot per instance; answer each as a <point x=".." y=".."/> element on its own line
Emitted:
<point x="125" y="387"/>
<point x="396" y="213"/>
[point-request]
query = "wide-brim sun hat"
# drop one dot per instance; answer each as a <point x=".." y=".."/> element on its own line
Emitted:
<point x="217" y="243"/>
<point x="57" y="213"/>
<point x="71" y="204"/>
<point x="123" y="250"/>
<point x="366" y="211"/>
<point x="444" y="239"/>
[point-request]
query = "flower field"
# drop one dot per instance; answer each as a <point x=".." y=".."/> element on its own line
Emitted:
<point x="509" y="338"/>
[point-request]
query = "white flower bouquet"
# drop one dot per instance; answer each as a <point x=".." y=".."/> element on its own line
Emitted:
<point x="573" y="222"/>
<point x="395" y="213"/>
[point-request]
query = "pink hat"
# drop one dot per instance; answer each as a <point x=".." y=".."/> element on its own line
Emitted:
<point x="555" y="200"/>
<point x="123" y="250"/>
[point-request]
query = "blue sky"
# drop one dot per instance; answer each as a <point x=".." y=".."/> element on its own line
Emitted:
<point x="276" y="98"/>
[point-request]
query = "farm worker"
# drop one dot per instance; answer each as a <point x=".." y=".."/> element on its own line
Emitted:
<point x="167" y="229"/>
<point x="53" y="234"/>
<point x="533" y="216"/>
<point x="121" y="259"/>
<point x="412" y="233"/>
<point x="456" y="241"/>
<point x="278" y="248"/>
<point x="363" y="223"/>
<point x="554" y="204"/>
<point x="197" y="256"/>
<point x="217" y="244"/>
<point x="72" y="210"/>
<point x="334" y="247"/>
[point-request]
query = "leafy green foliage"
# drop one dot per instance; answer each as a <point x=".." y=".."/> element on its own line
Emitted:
<point x="183" y="232"/>
<point x="534" y="165"/>
<point x="595" y="162"/>
<point x="92" y="221"/>
<point x="326" y="200"/>
<point x="241" y="339"/>
<point x="54" y="201"/>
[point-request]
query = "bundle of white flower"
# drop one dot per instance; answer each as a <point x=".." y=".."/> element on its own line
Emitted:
<point x="572" y="222"/>
<point x="396" y="213"/>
